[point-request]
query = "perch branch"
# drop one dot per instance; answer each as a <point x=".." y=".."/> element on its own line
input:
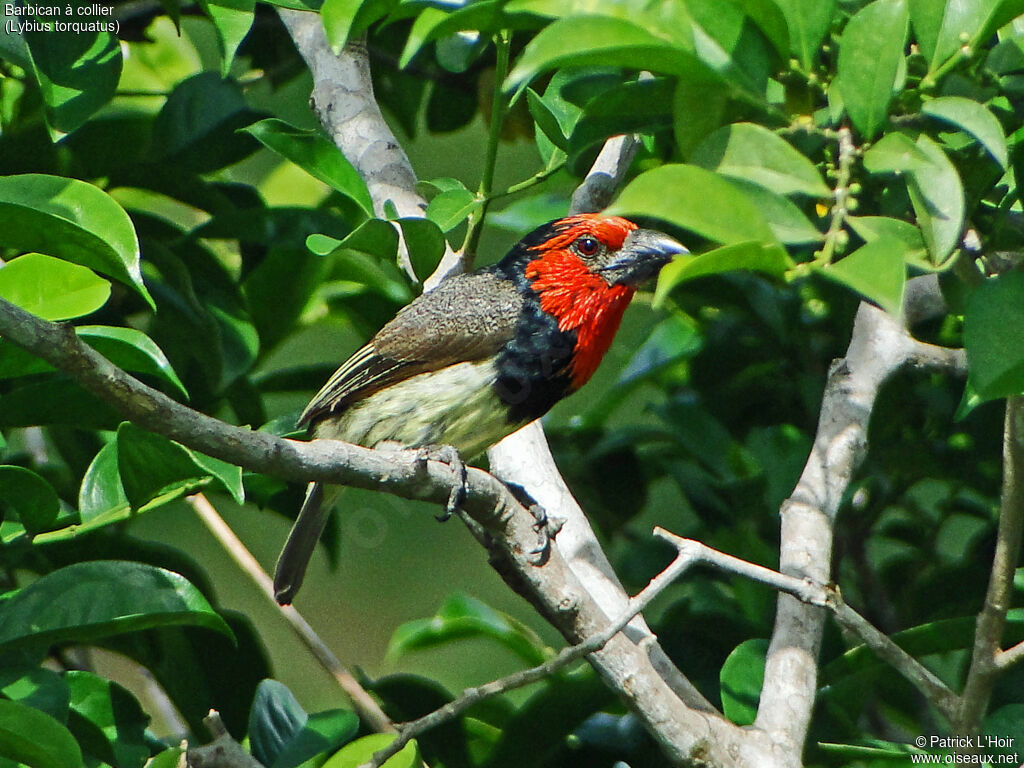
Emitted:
<point x="366" y="706"/>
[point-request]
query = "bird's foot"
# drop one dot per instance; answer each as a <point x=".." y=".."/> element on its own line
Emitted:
<point x="545" y="527"/>
<point x="448" y="455"/>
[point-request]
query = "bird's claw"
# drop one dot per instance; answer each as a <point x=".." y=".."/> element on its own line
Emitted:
<point x="545" y="527"/>
<point x="448" y="455"/>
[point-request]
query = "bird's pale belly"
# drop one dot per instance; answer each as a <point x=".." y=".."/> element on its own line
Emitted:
<point x="454" y="406"/>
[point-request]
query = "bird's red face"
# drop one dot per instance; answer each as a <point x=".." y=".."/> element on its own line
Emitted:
<point x="586" y="272"/>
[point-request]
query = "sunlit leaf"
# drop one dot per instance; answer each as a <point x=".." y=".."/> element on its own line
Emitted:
<point x="938" y="198"/>
<point x="741" y="679"/>
<point x="232" y="19"/>
<point x="876" y="270"/>
<point x="754" y="153"/>
<point x="72" y="220"/>
<point x="35" y="739"/>
<point x="973" y="118"/>
<point x="694" y="199"/>
<point x="870" y="54"/>
<point x="51" y="288"/>
<point x="315" y="154"/>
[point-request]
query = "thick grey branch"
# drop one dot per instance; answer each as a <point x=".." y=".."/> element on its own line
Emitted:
<point x="344" y="102"/>
<point x="879" y="346"/>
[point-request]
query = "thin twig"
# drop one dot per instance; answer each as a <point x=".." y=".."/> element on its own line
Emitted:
<point x="222" y="752"/>
<point x="1011" y="656"/>
<point x="685" y="557"/>
<point x="802" y="589"/>
<point x="815" y="594"/>
<point x="985" y="668"/>
<point x="936" y="691"/>
<point x="841" y="196"/>
<point x="366" y="707"/>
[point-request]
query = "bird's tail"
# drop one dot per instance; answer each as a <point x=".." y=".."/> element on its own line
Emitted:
<point x="298" y="549"/>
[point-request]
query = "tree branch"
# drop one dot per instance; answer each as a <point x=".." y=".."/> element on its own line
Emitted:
<point x="684" y="733"/>
<point x="988" y="662"/>
<point x="879" y="346"/>
<point x="344" y="102"/>
<point x="685" y="558"/>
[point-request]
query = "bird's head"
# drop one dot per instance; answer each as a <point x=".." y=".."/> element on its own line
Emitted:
<point x="610" y="247"/>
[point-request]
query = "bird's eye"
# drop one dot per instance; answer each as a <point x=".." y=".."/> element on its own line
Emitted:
<point x="587" y="246"/>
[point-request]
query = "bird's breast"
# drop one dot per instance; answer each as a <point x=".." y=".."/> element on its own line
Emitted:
<point x="457" y="405"/>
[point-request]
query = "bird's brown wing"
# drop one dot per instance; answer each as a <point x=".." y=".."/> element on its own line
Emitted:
<point x="467" y="317"/>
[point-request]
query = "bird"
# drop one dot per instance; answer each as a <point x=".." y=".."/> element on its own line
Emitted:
<point x="481" y="355"/>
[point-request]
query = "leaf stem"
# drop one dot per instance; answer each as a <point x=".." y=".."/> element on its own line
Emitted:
<point x="499" y="106"/>
<point x="836" y="235"/>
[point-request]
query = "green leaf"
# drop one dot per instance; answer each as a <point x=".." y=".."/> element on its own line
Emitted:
<point x="198" y="128"/>
<point x="315" y="154"/>
<point x="547" y="121"/>
<point x="451" y="208"/>
<point x="228" y="475"/>
<point x="462" y="616"/>
<point x="72" y="220"/>
<point x="52" y="288"/>
<point x="155" y="469"/>
<point x="870" y="53"/>
<point x="786" y="221"/>
<point x="374" y="237"/>
<point x="808" y="21"/>
<point x="101" y="490"/>
<point x="994" y="336"/>
<point x="35" y="739"/>
<point x="23" y="680"/>
<point x="694" y="199"/>
<point x="697" y="111"/>
<point x="603" y="41"/>
<point x="975" y="119"/>
<point x="77" y="71"/>
<point x="275" y="720"/>
<point x="876" y="270"/>
<point x="86" y="601"/>
<point x="484" y="16"/>
<point x="114" y="715"/>
<point x="938" y="199"/>
<point x="425" y="242"/>
<point x="941" y="27"/>
<point x="29" y="496"/>
<point x="132" y="350"/>
<point x="343" y="18"/>
<point x="361" y="750"/>
<point x="644" y="106"/>
<point x="752" y="256"/>
<point x="895" y="153"/>
<point x="232" y="19"/>
<point x="322" y="732"/>
<point x="741" y="679"/>
<point x="754" y="153"/>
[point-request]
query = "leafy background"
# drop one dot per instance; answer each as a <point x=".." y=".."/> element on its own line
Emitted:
<point x="169" y="191"/>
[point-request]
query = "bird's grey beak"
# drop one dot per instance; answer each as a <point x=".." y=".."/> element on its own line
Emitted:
<point x="642" y="255"/>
